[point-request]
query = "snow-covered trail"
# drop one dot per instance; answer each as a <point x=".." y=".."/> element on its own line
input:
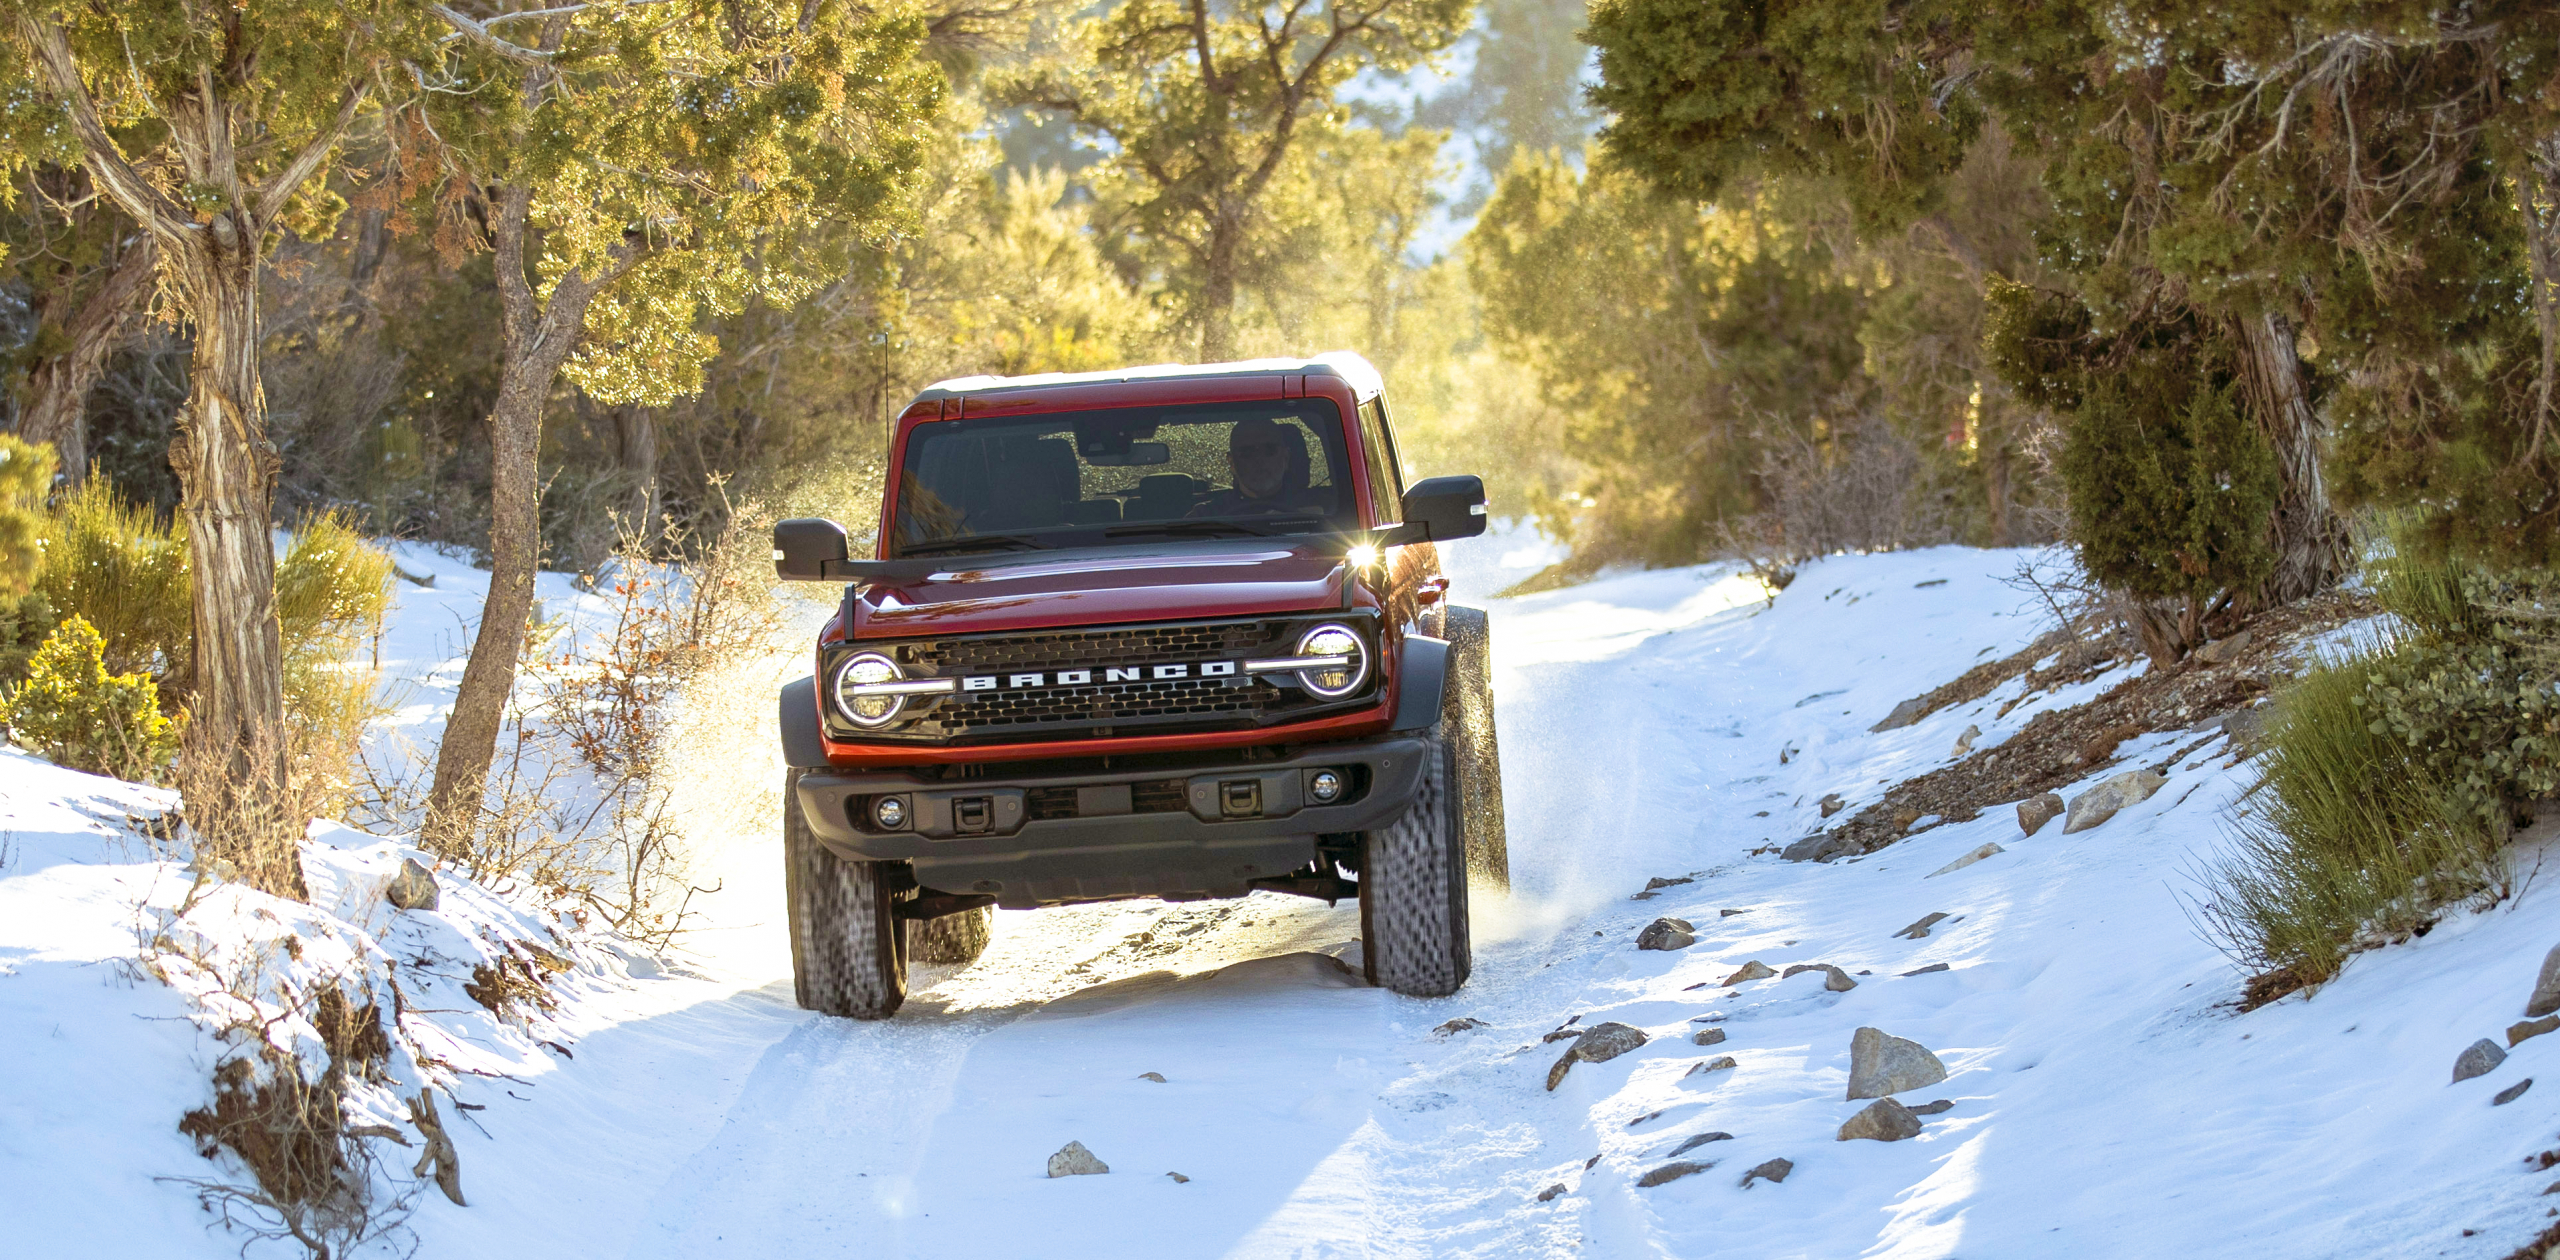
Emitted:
<point x="2107" y="1101"/>
<point x="2106" y="1104"/>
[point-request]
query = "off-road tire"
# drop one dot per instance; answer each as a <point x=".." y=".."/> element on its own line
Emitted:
<point x="1466" y="712"/>
<point x="848" y="949"/>
<point x="1413" y="889"/>
<point x="952" y="938"/>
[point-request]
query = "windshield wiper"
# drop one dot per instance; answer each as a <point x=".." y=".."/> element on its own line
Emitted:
<point x="1230" y="528"/>
<point x="972" y="542"/>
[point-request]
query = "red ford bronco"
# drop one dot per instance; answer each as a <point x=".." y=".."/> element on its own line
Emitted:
<point x="1168" y="632"/>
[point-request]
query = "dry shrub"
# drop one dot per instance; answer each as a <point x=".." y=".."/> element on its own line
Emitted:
<point x="1859" y="492"/>
<point x="577" y="805"/>
<point x="280" y="1102"/>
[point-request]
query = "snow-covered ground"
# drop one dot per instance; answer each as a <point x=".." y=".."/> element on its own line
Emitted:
<point x="2108" y="1100"/>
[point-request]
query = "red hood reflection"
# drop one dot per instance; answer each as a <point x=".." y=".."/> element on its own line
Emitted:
<point x="1174" y="581"/>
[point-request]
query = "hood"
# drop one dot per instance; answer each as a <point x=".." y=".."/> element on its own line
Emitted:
<point x="1163" y="582"/>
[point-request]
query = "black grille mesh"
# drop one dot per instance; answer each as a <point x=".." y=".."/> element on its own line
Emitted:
<point x="1074" y="648"/>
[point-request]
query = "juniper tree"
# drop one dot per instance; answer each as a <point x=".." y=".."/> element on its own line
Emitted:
<point x="640" y="168"/>
<point x="1203" y="105"/>
<point x="1889" y="98"/>
<point x="213" y="128"/>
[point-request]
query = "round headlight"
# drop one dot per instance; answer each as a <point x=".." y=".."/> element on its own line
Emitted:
<point x="1342" y="643"/>
<point x="868" y="711"/>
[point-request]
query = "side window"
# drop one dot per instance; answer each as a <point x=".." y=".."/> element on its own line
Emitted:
<point x="1385" y="482"/>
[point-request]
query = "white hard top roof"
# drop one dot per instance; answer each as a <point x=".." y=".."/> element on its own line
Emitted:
<point x="1363" y="377"/>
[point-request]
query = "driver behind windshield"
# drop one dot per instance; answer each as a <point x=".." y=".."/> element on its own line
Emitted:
<point x="1268" y="463"/>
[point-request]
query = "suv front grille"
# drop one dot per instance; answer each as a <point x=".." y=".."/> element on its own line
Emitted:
<point x="1103" y="708"/>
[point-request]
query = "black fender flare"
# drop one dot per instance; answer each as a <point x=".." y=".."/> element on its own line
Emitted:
<point x="802" y="747"/>
<point x="1421" y="676"/>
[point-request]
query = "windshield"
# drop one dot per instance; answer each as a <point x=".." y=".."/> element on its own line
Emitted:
<point x="1083" y="478"/>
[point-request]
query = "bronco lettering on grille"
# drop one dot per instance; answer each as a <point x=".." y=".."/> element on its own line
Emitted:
<point x="1084" y="677"/>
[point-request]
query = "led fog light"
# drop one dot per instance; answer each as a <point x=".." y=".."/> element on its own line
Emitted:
<point x="890" y="812"/>
<point x="1324" y="785"/>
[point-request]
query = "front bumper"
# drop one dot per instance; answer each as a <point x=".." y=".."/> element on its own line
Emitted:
<point x="1051" y="839"/>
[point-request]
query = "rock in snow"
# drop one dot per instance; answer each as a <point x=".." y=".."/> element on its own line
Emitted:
<point x="1967" y="860"/>
<point x="2112" y="794"/>
<point x="2526" y="1030"/>
<point x="2035" y="811"/>
<point x="414" y="888"/>
<point x="1831" y="804"/>
<point x="1720" y="1063"/>
<point x="1752" y="970"/>
<point x="1073" y="1160"/>
<point x="1667" y="934"/>
<point x="1671" y="1172"/>
<point x="1880" y="1064"/>
<point x="1904" y="714"/>
<point x="1551" y="1192"/>
<point x="1773" y="1171"/>
<point x="1922" y="971"/>
<point x="1700" y="1140"/>
<point x="2546" y="987"/>
<point x="2482" y="1058"/>
<point x="1921" y="928"/>
<point x="1933" y="1108"/>
<point x="1707" y="1037"/>
<point x="1456" y="1026"/>
<point x="2512" y="1092"/>
<point x="1600" y="1044"/>
<point x="1884" y="1121"/>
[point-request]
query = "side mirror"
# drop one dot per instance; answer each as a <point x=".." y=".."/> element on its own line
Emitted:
<point x="806" y="549"/>
<point x="1447" y="508"/>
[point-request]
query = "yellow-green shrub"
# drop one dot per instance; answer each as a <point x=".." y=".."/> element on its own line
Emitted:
<point x="75" y="713"/>
<point x="333" y="587"/>
<point x="26" y="474"/>
<point x="110" y="564"/>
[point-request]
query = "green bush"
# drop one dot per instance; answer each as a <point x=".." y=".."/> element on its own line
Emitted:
<point x="26" y="475"/>
<point x="111" y="565"/>
<point x="76" y="714"/>
<point x="25" y="622"/>
<point x="2392" y="781"/>
<point x="2171" y="487"/>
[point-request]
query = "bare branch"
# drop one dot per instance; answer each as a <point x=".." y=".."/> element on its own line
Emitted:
<point x="280" y="189"/>
<point x="478" y="33"/>
<point x="107" y="163"/>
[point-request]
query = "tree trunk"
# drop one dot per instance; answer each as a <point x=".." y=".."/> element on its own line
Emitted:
<point x="2310" y="540"/>
<point x="635" y="439"/>
<point x="537" y="337"/>
<point x="2536" y="176"/>
<point x="1218" y="295"/>
<point x="1995" y="485"/>
<point x="58" y="385"/>
<point x="233" y="761"/>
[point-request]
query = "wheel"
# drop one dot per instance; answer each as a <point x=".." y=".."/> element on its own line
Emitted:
<point x="1466" y="711"/>
<point x="1413" y="889"/>
<point x="953" y="938"/>
<point x="848" y="950"/>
